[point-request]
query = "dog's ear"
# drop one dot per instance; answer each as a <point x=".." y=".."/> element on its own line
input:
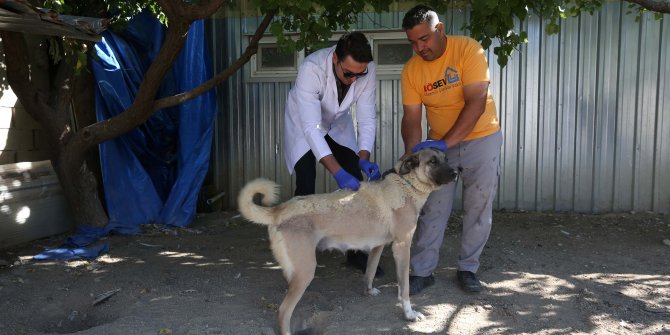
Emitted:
<point x="408" y="164"/>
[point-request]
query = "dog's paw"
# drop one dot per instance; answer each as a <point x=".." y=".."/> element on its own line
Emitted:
<point x="414" y="316"/>
<point x="373" y="292"/>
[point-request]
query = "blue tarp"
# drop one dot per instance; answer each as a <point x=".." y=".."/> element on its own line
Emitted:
<point x="153" y="173"/>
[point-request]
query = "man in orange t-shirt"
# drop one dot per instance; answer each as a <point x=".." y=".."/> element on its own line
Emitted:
<point x="449" y="76"/>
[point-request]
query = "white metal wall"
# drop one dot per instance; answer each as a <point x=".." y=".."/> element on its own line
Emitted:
<point x="585" y="115"/>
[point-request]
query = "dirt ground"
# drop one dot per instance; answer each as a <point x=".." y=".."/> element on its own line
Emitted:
<point x="543" y="274"/>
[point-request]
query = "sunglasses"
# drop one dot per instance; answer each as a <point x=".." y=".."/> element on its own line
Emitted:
<point x="348" y="74"/>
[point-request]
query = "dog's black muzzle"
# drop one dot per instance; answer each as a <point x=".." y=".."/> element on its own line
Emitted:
<point x="446" y="174"/>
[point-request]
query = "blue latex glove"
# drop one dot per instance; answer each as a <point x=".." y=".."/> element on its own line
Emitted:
<point x="437" y="144"/>
<point x="345" y="180"/>
<point x="370" y="169"/>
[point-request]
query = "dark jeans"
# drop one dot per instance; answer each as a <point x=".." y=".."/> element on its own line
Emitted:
<point x="305" y="168"/>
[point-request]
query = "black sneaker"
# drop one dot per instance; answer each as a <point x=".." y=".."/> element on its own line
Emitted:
<point x="418" y="283"/>
<point x="359" y="260"/>
<point x="469" y="282"/>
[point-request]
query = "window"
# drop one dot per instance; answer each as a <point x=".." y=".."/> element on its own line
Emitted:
<point x="271" y="64"/>
<point x="390" y="50"/>
<point x="271" y="58"/>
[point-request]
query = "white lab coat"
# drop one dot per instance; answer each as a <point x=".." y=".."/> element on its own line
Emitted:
<point x="312" y="110"/>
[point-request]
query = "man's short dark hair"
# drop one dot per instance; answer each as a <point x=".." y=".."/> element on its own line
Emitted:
<point x="356" y="45"/>
<point x="419" y="14"/>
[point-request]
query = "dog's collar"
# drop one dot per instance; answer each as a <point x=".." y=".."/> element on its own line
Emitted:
<point x="408" y="183"/>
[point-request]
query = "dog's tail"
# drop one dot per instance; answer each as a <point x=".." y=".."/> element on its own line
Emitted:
<point x="268" y="192"/>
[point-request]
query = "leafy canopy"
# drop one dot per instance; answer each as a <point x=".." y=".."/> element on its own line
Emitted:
<point x="304" y="24"/>
<point x="313" y="21"/>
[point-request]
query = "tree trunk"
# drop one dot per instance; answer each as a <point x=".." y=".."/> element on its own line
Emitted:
<point x="81" y="191"/>
<point x="45" y="89"/>
<point x="79" y="182"/>
<point x="83" y="105"/>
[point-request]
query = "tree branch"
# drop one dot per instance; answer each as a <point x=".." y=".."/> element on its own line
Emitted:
<point x="18" y="74"/>
<point x="18" y="69"/>
<point x="656" y="6"/>
<point x="62" y="85"/>
<point x="251" y="49"/>
<point x="141" y="109"/>
<point x="172" y="9"/>
<point x="40" y="62"/>
<point x="189" y="12"/>
<point x="203" y="10"/>
<point x="180" y="17"/>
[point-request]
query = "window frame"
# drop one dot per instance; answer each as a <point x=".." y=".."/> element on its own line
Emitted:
<point x="256" y="74"/>
<point x="387" y="71"/>
<point x="273" y="74"/>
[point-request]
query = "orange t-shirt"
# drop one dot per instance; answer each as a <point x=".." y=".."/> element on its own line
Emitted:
<point x="438" y="85"/>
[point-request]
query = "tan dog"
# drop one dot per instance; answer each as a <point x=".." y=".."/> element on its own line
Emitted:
<point x="377" y="214"/>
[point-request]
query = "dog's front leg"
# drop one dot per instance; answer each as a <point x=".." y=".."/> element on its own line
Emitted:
<point x="371" y="269"/>
<point x="401" y="256"/>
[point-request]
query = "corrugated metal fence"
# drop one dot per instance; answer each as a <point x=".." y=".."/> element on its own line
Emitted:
<point x="585" y="115"/>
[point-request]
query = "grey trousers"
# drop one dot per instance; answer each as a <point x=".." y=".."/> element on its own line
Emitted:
<point x="479" y="160"/>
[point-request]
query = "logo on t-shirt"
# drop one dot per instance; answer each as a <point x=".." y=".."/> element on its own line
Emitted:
<point x="450" y="80"/>
<point x="451" y="75"/>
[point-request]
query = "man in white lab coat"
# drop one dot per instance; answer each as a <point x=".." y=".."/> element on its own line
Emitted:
<point x="318" y="121"/>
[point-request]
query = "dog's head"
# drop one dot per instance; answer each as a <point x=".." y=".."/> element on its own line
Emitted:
<point x="429" y="166"/>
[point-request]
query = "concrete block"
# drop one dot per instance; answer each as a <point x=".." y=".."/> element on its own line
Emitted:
<point x="6" y="117"/>
<point x="34" y="205"/>
<point x="32" y="156"/>
<point x="7" y="157"/>
<point x="22" y="120"/>
<point x="8" y="98"/>
<point x="18" y="139"/>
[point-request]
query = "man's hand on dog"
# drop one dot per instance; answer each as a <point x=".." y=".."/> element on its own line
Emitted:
<point x="370" y="169"/>
<point x="345" y="180"/>
<point x="437" y="144"/>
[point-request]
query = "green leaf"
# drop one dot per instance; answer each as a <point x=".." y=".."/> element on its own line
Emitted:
<point x="490" y="28"/>
<point x="82" y="60"/>
<point x="521" y="12"/>
<point x="276" y="28"/>
<point x="486" y="43"/>
<point x="552" y="28"/>
<point x="502" y="60"/>
<point x="491" y="4"/>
